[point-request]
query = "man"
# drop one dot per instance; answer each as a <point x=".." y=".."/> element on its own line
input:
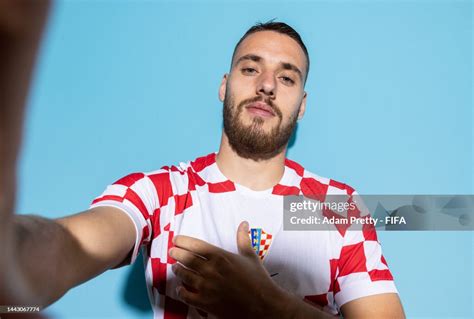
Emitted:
<point x="193" y="220"/>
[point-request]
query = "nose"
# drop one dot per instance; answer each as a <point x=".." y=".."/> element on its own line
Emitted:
<point x="266" y="85"/>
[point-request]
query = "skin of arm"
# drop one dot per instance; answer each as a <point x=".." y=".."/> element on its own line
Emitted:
<point x="21" y="25"/>
<point x="237" y="285"/>
<point x="71" y="250"/>
<point x="34" y="249"/>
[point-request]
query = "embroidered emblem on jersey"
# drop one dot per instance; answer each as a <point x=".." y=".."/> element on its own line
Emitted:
<point x="261" y="241"/>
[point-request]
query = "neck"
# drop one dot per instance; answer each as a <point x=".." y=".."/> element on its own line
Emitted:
<point x="255" y="175"/>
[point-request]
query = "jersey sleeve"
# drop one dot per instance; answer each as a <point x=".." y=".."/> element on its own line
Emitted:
<point x="134" y="195"/>
<point x="362" y="269"/>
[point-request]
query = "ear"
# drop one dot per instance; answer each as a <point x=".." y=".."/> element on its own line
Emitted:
<point x="223" y="87"/>
<point x="302" y="107"/>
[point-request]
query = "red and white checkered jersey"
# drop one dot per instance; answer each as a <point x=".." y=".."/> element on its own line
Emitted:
<point x="328" y="268"/>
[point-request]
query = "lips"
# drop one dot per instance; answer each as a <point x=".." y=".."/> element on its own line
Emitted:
<point x="260" y="108"/>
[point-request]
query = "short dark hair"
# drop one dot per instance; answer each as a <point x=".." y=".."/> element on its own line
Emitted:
<point x="279" y="27"/>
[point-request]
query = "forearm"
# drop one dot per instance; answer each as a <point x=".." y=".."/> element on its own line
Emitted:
<point x="46" y="257"/>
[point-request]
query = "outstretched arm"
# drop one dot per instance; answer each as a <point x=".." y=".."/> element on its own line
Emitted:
<point x="21" y="25"/>
<point x="52" y="256"/>
<point x="42" y="258"/>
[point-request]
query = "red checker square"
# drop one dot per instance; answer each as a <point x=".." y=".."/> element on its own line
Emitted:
<point x="311" y="188"/>
<point x="222" y="187"/>
<point x="108" y="197"/>
<point x="163" y="187"/>
<point x="285" y="190"/>
<point x="133" y="197"/>
<point x="183" y="202"/>
<point x="333" y="263"/>
<point x="337" y="184"/>
<point x="380" y="274"/>
<point x="130" y="179"/>
<point x="202" y="162"/>
<point x="156" y="223"/>
<point x="341" y="228"/>
<point x="176" y="169"/>
<point x="369" y="232"/>
<point x="194" y="179"/>
<point x="170" y="245"/>
<point x="158" y="270"/>
<point x="353" y="210"/>
<point x="321" y="300"/>
<point x="384" y="261"/>
<point x="352" y="259"/>
<point x="295" y="166"/>
<point x="145" y="233"/>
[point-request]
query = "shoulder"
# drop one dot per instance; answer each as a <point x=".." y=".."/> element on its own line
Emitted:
<point x="171" y="179"/>
<point x="311" y="183"/>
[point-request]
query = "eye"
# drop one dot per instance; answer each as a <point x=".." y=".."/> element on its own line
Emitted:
<point x="287" y="80"/>
<point x="249" y="71"/>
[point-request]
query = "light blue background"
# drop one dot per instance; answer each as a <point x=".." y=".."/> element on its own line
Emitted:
<point x="131" y="86"/>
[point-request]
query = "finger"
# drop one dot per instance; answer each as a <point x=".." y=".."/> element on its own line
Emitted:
<point x="189" y="297"/>
<point x="244" y="244"/>
<point x="187" y="258"/>
<point x="196" y="246"/>
<point x="188" y="277"/>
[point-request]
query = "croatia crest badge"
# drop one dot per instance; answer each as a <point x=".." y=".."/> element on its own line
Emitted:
<point x="261" y="241"/>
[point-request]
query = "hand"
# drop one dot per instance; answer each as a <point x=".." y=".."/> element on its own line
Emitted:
<point x="222" y="283"/>
<point x="22" y="17"/>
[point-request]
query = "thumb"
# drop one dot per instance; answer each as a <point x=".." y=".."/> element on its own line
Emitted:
<point x="244" y="244"/>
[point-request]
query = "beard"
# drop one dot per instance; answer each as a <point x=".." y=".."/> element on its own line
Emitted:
<point x="251" y="141"/>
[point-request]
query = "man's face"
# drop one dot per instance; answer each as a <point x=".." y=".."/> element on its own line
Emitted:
<point x="263" y="94"/>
